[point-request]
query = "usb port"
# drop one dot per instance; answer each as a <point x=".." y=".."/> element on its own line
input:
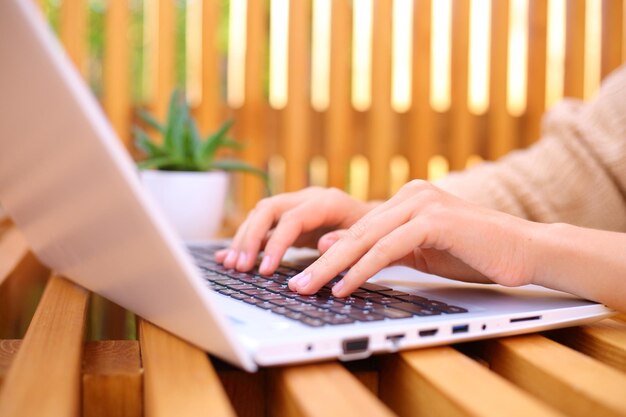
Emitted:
<point x="428" y="332"/>
<point x="355" y="345"/>
<point x="460" y="328"/>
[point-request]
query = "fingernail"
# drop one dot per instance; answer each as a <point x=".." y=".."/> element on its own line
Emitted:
<point x="231" y="257"/>
<point x="243" y="260"/>
<point x="337" y="288"/>
<point x="265" y="264"/>
<point x="301" y="280"/>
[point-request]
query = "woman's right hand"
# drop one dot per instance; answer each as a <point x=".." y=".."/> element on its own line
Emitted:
<point x="302" y="218"/>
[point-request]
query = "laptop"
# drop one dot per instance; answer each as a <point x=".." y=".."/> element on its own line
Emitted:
<point x="71" y="188"/>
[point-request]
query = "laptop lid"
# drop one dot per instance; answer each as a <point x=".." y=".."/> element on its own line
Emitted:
<point x="72" y="189"/>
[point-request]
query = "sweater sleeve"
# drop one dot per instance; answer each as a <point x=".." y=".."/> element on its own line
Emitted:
<point x="575" y="174"/>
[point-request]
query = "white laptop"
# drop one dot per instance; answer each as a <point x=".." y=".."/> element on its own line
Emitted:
<point x="71" y="188"/>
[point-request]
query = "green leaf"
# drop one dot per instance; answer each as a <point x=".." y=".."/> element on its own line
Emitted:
<point x="156" y="163"/>
<point x="215" y="140"/>
<point x="143" y="142"/>
<point x="151" y="121"/>
<point x="176" y="119"/>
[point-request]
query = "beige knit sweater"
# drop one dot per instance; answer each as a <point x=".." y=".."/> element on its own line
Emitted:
<point x="575" y="174"/>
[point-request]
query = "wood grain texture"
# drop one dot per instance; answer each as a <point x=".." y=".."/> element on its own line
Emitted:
<point x="73" y="32"/>
<point x="8" y="350"/>
<point x="339" y="134"/>
<point x="296" y="117"/>
<point x="574" y="82"/>
<point x="604" y="341"/>
<point x="22" y="278"/>
<point x="56" y="331"/>
<point x="251" y="127"/>
<point x="568" y="380"/>
<point x="462" y="128"/>
<point x="179" y="380"/>
<point x="537" y="57"/>
<point x="322" y="390"/>
<point x="209" y="113"/>
<point x="382" y="138"/>
<point x="247" y="392"/>
<point x="444" y="382"/>
<point x="116" y="72"/>
<point x="612" y="35"/>
<point x="423" y="142"/>
<point x="112" y="379"/>
<point x="500" y="127"/>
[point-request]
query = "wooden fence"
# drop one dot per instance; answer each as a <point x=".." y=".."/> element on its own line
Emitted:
<point x="362" y="94"/>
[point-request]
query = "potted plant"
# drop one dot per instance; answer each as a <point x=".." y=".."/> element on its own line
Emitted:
<point x="183" y="173"/>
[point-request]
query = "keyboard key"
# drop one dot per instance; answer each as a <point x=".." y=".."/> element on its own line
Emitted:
<point x="392" y="313"/>
<point x="371" y="302"/>
<point x="416" y="309"/>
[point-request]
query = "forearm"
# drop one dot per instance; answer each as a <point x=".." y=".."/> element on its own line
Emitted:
<point x="586" y="262"/>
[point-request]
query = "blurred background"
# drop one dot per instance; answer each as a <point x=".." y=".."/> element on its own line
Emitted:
<point x="357" y="94"/>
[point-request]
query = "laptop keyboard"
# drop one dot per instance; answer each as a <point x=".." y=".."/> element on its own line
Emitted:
<point x="371" y="302"/>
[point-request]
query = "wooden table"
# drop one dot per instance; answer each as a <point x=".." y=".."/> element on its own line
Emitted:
<point x="51" y="370"/>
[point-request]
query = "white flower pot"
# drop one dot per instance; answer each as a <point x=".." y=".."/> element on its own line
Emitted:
<point x="193" y="202"/>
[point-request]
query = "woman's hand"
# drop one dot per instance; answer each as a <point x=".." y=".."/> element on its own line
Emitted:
<point x="298" y="218"/>
<point x="425" y="228"/>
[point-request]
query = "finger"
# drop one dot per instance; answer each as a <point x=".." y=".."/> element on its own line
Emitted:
<point x="220" y="255"/>
<point x="326" y="241"/>
<point x="296" y="222"/>
<point x="396" y="245"/>
<point x="250" y="236"/>
<point x="359" y="238"/>
<point x="230" y="259"/>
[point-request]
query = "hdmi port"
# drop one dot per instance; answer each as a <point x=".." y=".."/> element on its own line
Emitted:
<point x="428" y="332"/>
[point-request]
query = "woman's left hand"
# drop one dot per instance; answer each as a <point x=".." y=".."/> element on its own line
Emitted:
<point x="428" y="229"/>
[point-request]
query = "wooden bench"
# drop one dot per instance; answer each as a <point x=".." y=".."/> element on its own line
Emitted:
<point x="52" y="370"/>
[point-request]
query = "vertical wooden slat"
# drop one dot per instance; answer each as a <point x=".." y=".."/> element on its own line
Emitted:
<point x="339" y="135"/>
<point x="500" y="128"/>
<point x="462" y="133"/>
<point x="422" y="117"/>
<point x="162" y="41"/>
<point x="321" y="390"/>
<point x="575" y="49"/>
<point x="116" y="98"/>
<point x="209" y="113"/>
<point x="382" y="136"/>
<point x="297" y="113"/>
<point x="178" y="378"/>
<point x="112" y="379"/>
<point x="563" y="378"/>
<point x="251" y="118"/>
<point x="444" y="382"/>
<point x="537" y="50"/>
<point x="73" y="32"/>
<point x="612" y="35"/>
<point x="21" y="282"/>
<point x="57" y="329"/>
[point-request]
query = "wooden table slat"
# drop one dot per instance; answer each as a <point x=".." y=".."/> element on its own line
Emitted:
<point x="179" y="380"/>
<point x="50" y="356"/>
<point x="112" y="379"/>
<point x="444" y="382"/>
<point x="604" y="341"/>
<point x="323" y="390"/>
<point x="8" y="350"/>
<point x="568" y="380"/>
